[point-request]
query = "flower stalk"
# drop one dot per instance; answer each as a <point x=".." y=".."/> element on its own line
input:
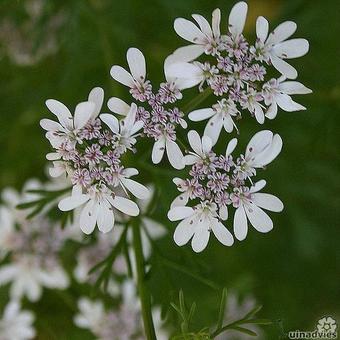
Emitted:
<point x="142" y="289"/>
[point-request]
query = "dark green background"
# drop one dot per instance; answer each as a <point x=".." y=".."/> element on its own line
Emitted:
<point x="292" y="271"/>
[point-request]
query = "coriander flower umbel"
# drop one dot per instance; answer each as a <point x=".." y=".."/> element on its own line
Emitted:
<point x="217" y="182"/>
<point x="235" y="70"/>
<point x="155" y="108"/>
<point x="90" y="154"/>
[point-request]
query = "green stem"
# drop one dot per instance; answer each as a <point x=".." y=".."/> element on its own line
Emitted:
<point x="142" y="289"/>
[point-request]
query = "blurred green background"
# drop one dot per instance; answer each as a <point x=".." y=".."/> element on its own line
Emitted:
<point x="70" y="47"/>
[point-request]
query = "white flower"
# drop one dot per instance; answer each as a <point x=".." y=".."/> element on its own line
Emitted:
<point x="275" y="46"/>
<point x="136" y="78"/>
<point x="7" y="230"/>
<point x="205" y="38"/>
<point x="98" y="209"/>
<point x="28" y="277"/>
<point x="220" y="116"/>
<point x="16" y="324"/>
<point x="126" y="129"/>
<point x="197" y="223"/>
<point x="165" y="142"/>
<point x="277" y="92"/>
<point x="327" y="325"/>
<point x="249" y="204"/>
<point x="201" y="148"/>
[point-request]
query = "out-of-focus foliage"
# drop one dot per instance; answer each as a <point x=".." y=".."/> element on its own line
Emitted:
<point x="291" y="271"/>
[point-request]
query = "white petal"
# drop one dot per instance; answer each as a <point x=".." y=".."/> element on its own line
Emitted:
<point x="294" y="87"/>
<point x="118" y="106"/>
<point x="214" y="128"/>
<point x="222" y="234"/>
<point x="88" y="217"/>
<point x="286" y="103"/>
<point x="111" y="121"/>
<point x="240" y="224"/>
<point x="96" y="96"/>
<point x="180" y="200"/>
<point x="61" y="111"/>
<point x="83" y="113"/>
<point x="270" y="153"/>
<point x="136" y="63"/>
<point x="188" y="31"/>
<point x="237" y="18"/>
<point x="195" y="141"/>
<point x="119" y="74"/>
<point x="129" y="172"/>
<point x="201" y="114"/>
<point x="258" y="186"/>
<point x="282" y="32"/>
<point x="260" y="141"/>
<point x="7" y="273"/>
<point x="262" y="27"/>
<point x="259" y="115"/>
<point x="231" y="147"/>
<point x="293" y="48"/>
<point x="136" y="189"/>
<point x="130" y="118"/>
<point x="105" y="218"/>
<point x="158" y="151"/>
<point x="174" y="154"/>
<point x="272" y="111"/>
<point x="203" y="24"/>
<point x="184" y="232"/>
<point x="258" y="218"/>
<point x="126" y="206"/>
<point x="201" y="237"/>
<point x="216" y="20"/>
<point x="283" y="67"/>
<point x="228" y="124"/>
<point x="206" y="144"/>
<point x="180" y="213"/>
<point x="268" y="202"/>
<point x="183" y="54"/>
<point x="72" y="202"/>
<point x="223" y="212"/>
<point x="186" y="71"/>
<point x="53" y="156"/>
<point x="190" y="159"/>
<point x="50" y="125"/>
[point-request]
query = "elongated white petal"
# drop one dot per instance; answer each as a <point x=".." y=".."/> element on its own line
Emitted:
<point x="206" y="144"/>
<point x="258" y="186"/>
<point x="216" y="20"/>
<point x="174" y="154"/>
<point x="258" y="218"/>
<point x="96" y="96"/>
<point x="195" y="141"/>
<point x="222" y="234"/>
<point x="228" y="124"/>
<point x="180" y="213"/>
<point x="201" y="237"/>
<point x="267" y="201"/>
<point x="282" y="32"/>
<point x="88" y="217"/>
<point x="7" y="273"/>
<point x="223" y="213"/>
<point x="294" y="87"/>
<point x="240" y="224"/>
<point x="286" y="103"/>
<point x="203" y="24"/>
<point x="259" y="115"/>
<point x="119" y="74"/>
<point x="272" y="111"/>
<point x="136" y="61"/>
<point x="105" y="218"/>
<point x="61" y="111"/>
<point x="262" y="27"/>
<point x="214" y="128"/>
<point x="185" y="70"/>
<point x="180" y="200"/>
<point x="201" y="114"/>
<point x="136" y="127"/>
<point x="190" y="159"/>
<point x="53" y="156"/>
<point x="129" y="172"/>
<point x="130" y="118"/>
<point x="293" y="48"/>
<point x="126" y="206"/>
<point x="118" y="106"/>
<point x="111" y="121"/>
<point x="270" y="153"/>
<point x="158" y="151"/>
<point x="258" y="143"/>
<point x="237" y="18"/>
<point x="50" y="125"/>
<point x="188" y="31"/>
<point x="184" y="54"/>
<point x="231" y="147"/>
<point x="57" y="170"/>
<point x="184" y="231"/>
<point x="138" y="190"/>
<point x="83" y="113"/>
<point x="283" y="67"/>
<point x="72" y="202"/>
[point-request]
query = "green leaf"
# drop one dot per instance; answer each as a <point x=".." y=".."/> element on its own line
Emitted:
<point x="244" y="330"/>
<point x="222" y="308"/>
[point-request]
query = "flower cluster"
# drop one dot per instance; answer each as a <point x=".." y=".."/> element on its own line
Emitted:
<point x="89" y="150"/>
<point x="236" y="71"/>
<point x="155" y="109"/>
<point x="219" y="181"/>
